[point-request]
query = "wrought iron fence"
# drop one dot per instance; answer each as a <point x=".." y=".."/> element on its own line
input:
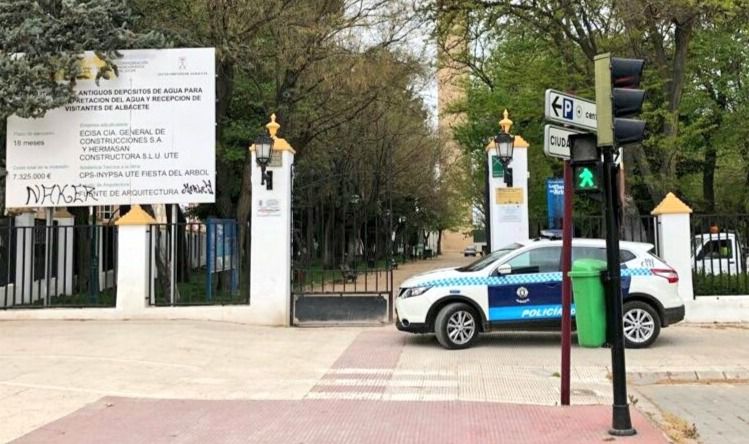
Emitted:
<point x="58" y="265"/>
<point x="203" y="263"/>
<point x="633" y="228"/>
<point x="343" y="254"/>
<point x="719" y="254"/>
<point x="345" y="280"/>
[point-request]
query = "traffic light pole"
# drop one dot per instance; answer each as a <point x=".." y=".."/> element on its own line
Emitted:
<point x="621" y="421"/>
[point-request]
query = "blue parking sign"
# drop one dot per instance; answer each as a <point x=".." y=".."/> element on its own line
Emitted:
<point x="567" y="110"/>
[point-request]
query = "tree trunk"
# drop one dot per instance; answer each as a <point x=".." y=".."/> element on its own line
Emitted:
<point x="708" y="177"/>
<point x="327" y="244"/>
<point x="82" y="238"/>
<point x="682" y="37"/>
<point x="244" y="205"/>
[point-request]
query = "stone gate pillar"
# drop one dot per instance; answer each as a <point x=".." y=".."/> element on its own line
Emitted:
<point x="133" y="260"/>
<point x="270" y="252"/>
<point x="674" y="238"/>
<point x="508" y="208"/>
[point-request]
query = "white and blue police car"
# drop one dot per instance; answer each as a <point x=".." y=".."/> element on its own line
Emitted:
<point x="519" y="287"/>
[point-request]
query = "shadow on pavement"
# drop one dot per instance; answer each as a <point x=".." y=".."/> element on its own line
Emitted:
<point x="540" y="339"/>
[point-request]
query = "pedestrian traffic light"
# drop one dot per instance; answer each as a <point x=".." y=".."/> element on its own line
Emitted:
<point x="585" y="158"/>
<point x="618" y="99"/>
<point x="587" y="177"/>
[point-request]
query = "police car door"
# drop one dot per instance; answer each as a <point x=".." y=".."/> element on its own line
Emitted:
<point x="531" y="292"/>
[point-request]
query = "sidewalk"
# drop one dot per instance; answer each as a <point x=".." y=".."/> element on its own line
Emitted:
<point x="166" y="376"/>
<point x="136" y="421"/>
<point x="181" y="380"/>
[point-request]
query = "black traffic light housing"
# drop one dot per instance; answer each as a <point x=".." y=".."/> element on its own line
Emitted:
<point x="618" y="99"/>
<point x="585" y="159"/>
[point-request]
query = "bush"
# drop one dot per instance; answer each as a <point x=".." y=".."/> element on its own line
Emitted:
<point x="720" y="284"/>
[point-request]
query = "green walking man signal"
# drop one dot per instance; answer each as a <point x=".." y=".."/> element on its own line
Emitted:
<point x="587" y="178"/>
<point x="586" y="162"/>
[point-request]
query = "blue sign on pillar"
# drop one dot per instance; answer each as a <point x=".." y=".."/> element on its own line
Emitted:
<point x="555" y="202"/>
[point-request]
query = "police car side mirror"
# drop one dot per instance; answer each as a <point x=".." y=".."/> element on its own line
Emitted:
<point x="503" y="270"/>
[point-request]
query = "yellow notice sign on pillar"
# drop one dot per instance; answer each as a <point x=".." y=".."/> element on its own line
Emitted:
<point x="509" y="196"/>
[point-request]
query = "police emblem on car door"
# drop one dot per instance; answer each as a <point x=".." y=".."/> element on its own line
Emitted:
<point x="532" y="289"/>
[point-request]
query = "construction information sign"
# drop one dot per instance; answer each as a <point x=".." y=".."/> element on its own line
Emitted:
<point x="146" y="136"/>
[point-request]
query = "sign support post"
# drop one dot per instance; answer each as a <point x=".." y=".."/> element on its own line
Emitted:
<point x="566" y="284"/>
<point x="488" y="206"/>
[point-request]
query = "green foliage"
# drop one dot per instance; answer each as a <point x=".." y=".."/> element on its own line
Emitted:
<point x="696" y="67"/>
<point x="42" y="42"/>
<point x="520" y="68"/>
<point x="721" y="284"/>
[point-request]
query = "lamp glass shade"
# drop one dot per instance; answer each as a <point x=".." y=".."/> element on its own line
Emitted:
<point x="263" y="147"/>
<point x="504" y="144"/>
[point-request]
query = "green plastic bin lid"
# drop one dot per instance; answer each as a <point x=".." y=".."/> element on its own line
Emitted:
<point x="587" y="268"/>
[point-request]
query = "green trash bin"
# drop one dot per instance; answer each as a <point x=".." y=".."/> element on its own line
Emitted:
<point x="590" y="301"/>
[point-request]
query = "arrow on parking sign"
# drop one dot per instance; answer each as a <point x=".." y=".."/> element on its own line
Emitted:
<point x="556" y="106"/>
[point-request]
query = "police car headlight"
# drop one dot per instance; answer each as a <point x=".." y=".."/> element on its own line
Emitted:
<point x="414" y="291"/>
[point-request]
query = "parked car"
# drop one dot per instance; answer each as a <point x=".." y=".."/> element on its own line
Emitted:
<point x="719" y="253"/>
<point x="459" y="303"/>
<point x="470" y="251"/>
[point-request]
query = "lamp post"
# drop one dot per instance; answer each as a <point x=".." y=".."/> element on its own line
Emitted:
<point x="263" y="150"/>
<point x="504" y="144"/>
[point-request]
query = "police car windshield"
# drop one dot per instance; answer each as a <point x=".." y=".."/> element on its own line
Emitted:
<point x="490" y="259"/>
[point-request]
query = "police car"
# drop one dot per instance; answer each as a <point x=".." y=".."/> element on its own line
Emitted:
<point x="520" y="287"/>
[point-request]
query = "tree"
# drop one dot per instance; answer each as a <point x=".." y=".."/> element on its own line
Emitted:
<point x="40" y="49"/>
<point x="662" y="32"/>
<point x="274" y="56"/>
<point x="715" y="106"/>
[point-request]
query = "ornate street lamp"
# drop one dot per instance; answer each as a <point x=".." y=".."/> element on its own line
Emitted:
<point x="263" y="147"/>
<point x="504" y="144"/>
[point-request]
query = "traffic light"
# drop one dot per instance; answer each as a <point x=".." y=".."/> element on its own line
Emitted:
<point x="618" y="99"/>
<point x="585" y="158"/>
<point x="587" y="178"/>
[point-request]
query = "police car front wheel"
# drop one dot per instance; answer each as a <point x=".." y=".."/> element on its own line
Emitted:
<point x="456" y="326"/>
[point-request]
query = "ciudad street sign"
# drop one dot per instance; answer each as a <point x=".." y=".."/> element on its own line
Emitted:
<point x="555" y="141"/>
<point x="570" y="110"/>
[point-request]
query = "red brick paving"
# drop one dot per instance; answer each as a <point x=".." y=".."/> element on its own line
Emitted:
<point x="349" y="388"/>
<point x="126" y="420"/>
<point x="375" y="350"/>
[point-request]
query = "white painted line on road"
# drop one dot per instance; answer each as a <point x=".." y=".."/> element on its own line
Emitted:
<point x="390" y="382"/>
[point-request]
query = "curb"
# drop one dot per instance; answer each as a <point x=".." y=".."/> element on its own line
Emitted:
<point x="689" y="376"/>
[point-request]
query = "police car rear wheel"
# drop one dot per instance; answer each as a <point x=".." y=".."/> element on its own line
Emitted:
<point x="456" y="326"/>
<point x="642" y="325"/>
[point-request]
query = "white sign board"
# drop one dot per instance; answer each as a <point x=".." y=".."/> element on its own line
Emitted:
<point x="146" y="136"/>
<point x="556" y="141"/>
<point x="570" y="110"/>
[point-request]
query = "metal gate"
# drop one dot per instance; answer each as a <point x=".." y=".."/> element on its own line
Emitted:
<point x="342" y="259"/>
